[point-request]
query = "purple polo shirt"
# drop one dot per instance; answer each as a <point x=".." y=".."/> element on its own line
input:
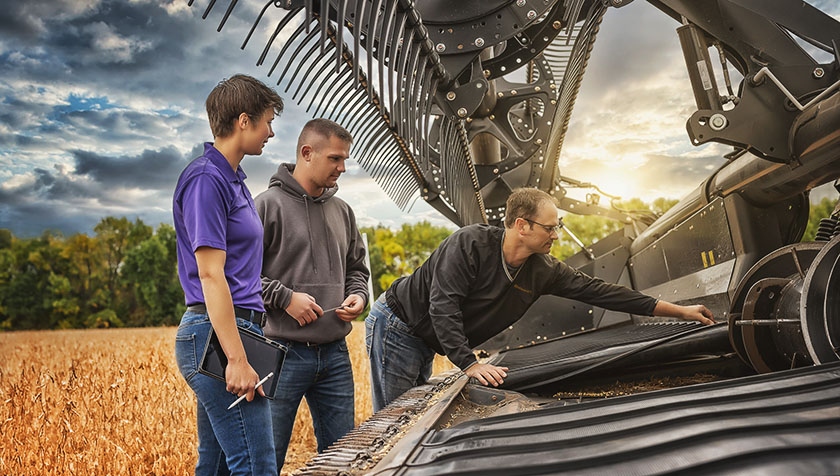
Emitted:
<point x="213" y="207"/>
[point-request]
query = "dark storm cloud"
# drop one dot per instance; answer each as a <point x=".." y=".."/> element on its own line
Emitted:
<point x="156" y="170"/>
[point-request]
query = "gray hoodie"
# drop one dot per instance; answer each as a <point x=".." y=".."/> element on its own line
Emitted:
<point x="310" y="245"/>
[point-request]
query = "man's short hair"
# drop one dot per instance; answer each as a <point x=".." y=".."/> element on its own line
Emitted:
<point x="325" y="128"/>
<point x="235" y="95"/>
<point x="524" y="203"/>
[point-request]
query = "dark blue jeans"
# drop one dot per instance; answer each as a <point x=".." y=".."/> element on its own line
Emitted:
<point x="399" y="360"/>
<point x="237" y="441"/>
<point x="324" y="375"/>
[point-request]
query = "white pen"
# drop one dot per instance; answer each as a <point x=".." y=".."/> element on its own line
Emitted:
<point x="264" y="379"/>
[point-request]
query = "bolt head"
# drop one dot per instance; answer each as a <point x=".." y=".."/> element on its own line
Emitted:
<point x="532" y="14"/>
<point x="486" y="73"/>
<point x="819" y="73"/>
<point x="450" y="95"/>
<point x="462" y="111"/>
<point x="718" y="122"/>
<point x="557" y="24"/>
<point x="440" y="47"/>
<point x="479" y="42"/>
<point x="520" y="3"/>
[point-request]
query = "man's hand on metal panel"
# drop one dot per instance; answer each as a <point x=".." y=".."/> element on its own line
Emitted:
<point x="487" y="374"/>
<point x="353" y="307"/>
<point x="303" y="308"/>
<point x="697" y="312"/>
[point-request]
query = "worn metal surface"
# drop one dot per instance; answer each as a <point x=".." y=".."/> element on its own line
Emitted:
<point x="782" y="423"/>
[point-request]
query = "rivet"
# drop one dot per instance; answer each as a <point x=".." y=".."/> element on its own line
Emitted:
<point x="450" y="95"/>
<point x="479" y="42"/>
<point x="440" y="47"/>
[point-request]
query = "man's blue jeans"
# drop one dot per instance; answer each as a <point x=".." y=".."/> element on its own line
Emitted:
<point x="324" y="375"/>
<point x="399" y="360"/>
<point x="237" y="441"/>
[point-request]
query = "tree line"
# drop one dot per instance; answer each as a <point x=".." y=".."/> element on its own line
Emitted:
<point x="126" y="273"/>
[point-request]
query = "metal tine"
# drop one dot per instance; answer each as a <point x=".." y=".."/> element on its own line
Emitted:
<point x="308" y="4"/>
<point x="342" y="6"/>
<point x="425" y="109"/>
<point x="376" y="43"/>
<point x="306" y="40"/>
<point x="384" y="38"/>
<point x="428" y="115"/>
<point x="382" y="158"/>
<point x="351" y="108"/>
<point x="357" y="33"/>
<point x="190" y="2"/>
<point x="316" y="77"/>
<point x="347" y="87"/>
<point x="345" y="107"/>
<point x="417" y="97"/>
<point x="313" y="48"/>
<point x="370" y="38"/>
<point x="209" y="7"/>
<point x="324" y="16"/>
<point x="390" y="176"/>
<point x="362" y="117"/>
<point x="408" y="75"/>
<point x="395" y="46"/>
<point x="405" y="186"/>
<point x="227" y="14"/>
<point x="409" y="102"/>
<point x="382" y="133"/>
<point x="373" y="144"/>
<point x="336" y="78"/>
<point x="396" y="188"/>
<point x="366" y="127"/>
<point x="573" y="20"/>
<point x="358" y="111"/>
<point x="404" y="54"/>
<point x="286" y="46"/>
<point x="280" y="25"/>
<point x="380" y="163"/>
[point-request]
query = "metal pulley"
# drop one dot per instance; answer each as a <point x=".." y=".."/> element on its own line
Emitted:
<point x="786" y="310"/>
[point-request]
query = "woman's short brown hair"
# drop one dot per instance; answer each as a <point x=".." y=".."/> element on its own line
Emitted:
<point x="524" y="203"/>
<point x="235" y="95"/>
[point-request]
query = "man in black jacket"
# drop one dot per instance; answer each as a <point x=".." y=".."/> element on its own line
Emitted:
<point x="476" y="283"/>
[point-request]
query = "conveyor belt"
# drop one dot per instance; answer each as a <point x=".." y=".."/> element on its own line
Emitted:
<point x="550" y="359"/>
<point x="780" y="423"/>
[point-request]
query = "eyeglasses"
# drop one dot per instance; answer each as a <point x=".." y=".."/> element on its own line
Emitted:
<point x="548" y="228"/>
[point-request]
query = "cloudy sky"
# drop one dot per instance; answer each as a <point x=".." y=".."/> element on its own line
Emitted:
<point x="101" y="107"/>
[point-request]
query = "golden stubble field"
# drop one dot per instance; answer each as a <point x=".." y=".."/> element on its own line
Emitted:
<point x="109" y="402"/>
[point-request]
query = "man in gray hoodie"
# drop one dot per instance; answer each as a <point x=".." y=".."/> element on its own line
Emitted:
<point x="313" y="261"/>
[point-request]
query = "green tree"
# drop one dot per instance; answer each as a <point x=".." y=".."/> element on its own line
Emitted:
<point x="117" y="236"/>
<point x="818" y="211"/>
<point x="150" y="272"/>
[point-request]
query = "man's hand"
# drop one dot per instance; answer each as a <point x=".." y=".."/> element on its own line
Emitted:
<point x="697" y="312"/>
<point x="487" y="374"/>
<point x="353" y="307"/>
<point x="303" y="308"/>
<point x="240" y="379"/>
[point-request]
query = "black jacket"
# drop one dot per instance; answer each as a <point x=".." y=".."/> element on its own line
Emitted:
<point x="461" y="296"/>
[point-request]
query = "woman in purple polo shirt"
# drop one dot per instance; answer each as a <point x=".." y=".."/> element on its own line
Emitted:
<point x="219" y="243"/>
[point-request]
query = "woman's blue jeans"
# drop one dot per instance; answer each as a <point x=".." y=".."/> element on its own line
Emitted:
<point x="237" y="441"/>
<point x="399" y="360"/>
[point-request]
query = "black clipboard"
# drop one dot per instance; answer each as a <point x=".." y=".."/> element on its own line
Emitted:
<point x="264" y="356"/>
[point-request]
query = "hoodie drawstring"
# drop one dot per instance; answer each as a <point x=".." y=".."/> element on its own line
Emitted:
<point x="309" y="228"/>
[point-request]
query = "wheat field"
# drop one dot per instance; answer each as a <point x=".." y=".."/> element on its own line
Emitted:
<point x="109" y="402"/>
